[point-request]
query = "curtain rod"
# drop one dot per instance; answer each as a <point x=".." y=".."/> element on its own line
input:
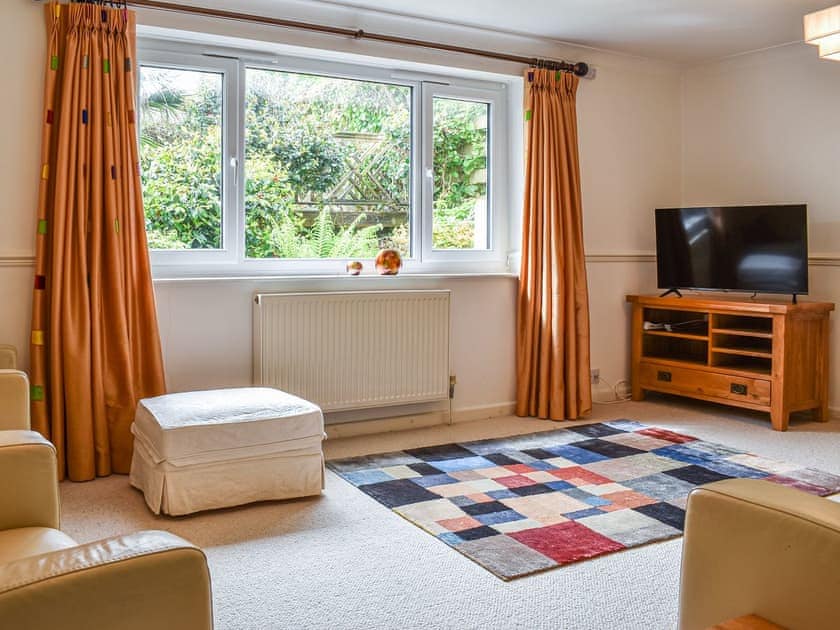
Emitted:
<point x="580" y="68"/>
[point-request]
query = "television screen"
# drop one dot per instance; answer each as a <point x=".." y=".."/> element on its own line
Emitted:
<point x="746" y="248"/>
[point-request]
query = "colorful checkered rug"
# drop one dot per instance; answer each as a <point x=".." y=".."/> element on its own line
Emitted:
<point x="528" y="503"/>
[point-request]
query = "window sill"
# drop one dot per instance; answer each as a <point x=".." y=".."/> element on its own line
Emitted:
<point x="343" y="278"/>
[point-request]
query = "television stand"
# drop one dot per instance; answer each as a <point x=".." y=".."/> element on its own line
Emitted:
<point x="670" y="291"/>
<point x="767" y="355"/>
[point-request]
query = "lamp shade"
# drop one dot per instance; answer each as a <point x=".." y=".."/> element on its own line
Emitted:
<point x="830" y="48"/>
<point x="822" y="28"/>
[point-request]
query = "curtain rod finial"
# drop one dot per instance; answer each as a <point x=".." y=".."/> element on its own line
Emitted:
<point x="581" y="69"/>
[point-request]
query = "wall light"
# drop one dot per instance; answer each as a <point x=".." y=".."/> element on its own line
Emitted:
<point x="822" y="29"/>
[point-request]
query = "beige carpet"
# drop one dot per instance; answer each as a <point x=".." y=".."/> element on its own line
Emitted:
<point x="344" y="561"/>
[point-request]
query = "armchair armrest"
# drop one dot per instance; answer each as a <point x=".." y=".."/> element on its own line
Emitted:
<point x="14" y="400"/>
<point x="28" y="481"/>
<point x="144" y="580"/>
<point x="754" y="547"/>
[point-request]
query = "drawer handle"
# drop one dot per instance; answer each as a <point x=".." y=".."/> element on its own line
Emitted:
<point x="662" y="375"/>
<point x="738" y="388"/>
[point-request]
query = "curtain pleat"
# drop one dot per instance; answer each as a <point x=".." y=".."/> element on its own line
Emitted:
<point x="95" y="342"/>
<point x="552" y="360"/>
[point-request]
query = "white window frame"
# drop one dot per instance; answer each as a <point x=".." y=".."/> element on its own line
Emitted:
<point x="495" y="183"/>
<point x="228" y="68"/>
<point x="231" y="260"/>
<point x="304" y="266"/>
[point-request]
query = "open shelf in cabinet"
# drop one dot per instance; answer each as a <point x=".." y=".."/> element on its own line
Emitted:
<point x="680" y="348"/>
<point x="742" y="344"/>
<point x="742" y="362"/>
<point x="676" y="335"/>
<point x="743" y="324"/>
<point x="677" y="323"/>
<point x="743" y="333"/>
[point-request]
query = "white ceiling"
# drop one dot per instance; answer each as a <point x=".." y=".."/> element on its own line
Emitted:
<point x="682" y="31"/>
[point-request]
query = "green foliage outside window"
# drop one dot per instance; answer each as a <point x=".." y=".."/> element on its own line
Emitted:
<point x="300" y="149"/>
<point x="460" y="155"/>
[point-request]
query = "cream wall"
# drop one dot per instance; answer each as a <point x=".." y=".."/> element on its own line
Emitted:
<point x="765" y="128"/>
<point x="629" y="124"/>
<point x="630" y="146"/>
<point x="21" y="45"/>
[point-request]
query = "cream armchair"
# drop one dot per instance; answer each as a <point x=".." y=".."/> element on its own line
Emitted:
<point x="144" y="580"/>
<point x="754" y="547"/>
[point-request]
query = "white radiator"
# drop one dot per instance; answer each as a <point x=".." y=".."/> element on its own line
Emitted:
<point x="354" y="350"/>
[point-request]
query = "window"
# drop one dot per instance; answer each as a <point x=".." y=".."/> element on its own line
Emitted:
<point x="181" y="157"/>
<point x="327" y="166"/>
<point x="298" y="166"/>
<point x="459" y="206"/>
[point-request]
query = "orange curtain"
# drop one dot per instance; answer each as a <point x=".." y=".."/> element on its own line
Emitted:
<point x="95" y="343"/>
<point x="552" y="359"/>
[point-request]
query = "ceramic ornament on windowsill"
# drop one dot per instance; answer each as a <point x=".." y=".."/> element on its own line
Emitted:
<point x="388" y="262"/>
<point x="354" y="267"/>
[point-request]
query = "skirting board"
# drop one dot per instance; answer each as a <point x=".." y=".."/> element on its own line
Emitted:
<point x="417" y="421"/>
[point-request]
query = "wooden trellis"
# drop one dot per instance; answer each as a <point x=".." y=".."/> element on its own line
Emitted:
<point x="361" y="187"/>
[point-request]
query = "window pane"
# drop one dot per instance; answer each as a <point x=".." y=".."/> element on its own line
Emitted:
<point x="181" y="157"/>
<point x="327" y="166"/>
<point x="459" y="213"/>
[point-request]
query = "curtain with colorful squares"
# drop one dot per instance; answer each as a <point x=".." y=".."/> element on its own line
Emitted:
<point x="95" y="347"/>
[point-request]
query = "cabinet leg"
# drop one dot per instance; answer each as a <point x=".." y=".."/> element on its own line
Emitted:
<point x="637" y="393"/>
<point x="821" y="413"/>
<point x="779" y="418"/>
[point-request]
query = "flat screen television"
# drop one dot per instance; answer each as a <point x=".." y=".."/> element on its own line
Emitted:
<point x="762" y="249"/>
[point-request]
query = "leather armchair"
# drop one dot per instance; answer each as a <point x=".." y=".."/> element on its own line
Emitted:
<point x="143" y="580"/>
<point x="754" y="547"/>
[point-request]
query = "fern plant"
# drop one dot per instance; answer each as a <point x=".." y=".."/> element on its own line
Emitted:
<point x="324" y="239"/>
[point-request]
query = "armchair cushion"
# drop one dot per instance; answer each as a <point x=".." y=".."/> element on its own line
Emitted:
<point x="29" y="488"/>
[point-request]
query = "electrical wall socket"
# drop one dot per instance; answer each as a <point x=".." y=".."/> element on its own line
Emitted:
<point x="595" y="375"/>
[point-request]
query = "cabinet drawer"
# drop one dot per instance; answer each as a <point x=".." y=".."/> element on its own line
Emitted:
<point x="677" y="380"/>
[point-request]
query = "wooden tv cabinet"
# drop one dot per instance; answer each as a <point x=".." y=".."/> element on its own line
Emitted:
<point x="767" y="355"/>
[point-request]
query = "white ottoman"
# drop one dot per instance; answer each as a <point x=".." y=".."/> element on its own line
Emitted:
<point x="211" y="449"/>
